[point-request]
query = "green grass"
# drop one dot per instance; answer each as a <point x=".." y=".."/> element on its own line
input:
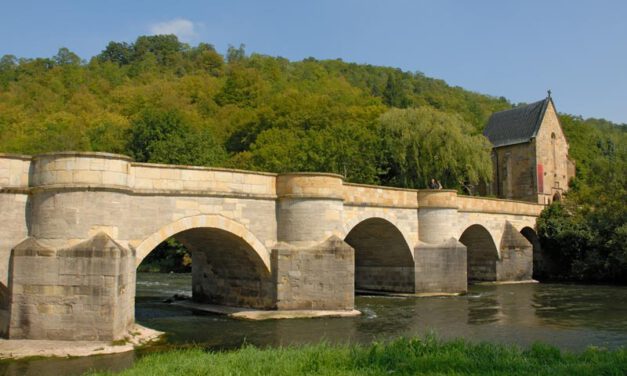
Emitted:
<point x="427" y="356"/>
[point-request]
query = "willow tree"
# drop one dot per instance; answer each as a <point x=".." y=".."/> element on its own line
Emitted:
<point x="423" y="143"/>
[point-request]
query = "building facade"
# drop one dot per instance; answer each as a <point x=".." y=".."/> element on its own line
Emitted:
<point x="530" y="154"/>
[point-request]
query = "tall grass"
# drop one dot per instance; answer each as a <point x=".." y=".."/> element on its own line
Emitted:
<point x="427" y="356"/>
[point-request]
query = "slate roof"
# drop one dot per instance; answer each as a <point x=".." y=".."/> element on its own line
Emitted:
<point x="517" y="125"/>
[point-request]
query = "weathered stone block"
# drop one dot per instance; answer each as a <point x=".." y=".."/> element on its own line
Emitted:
<point x="320" y="277"/>
<point x="516" y="263"/>
<point x="441" y="267"/>
<point x="49" y="305"/>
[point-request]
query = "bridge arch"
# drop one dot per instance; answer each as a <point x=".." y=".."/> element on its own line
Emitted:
<point x="230" y="266"/>
<point x="212" y="221"/>
<point x="383" y="258"/>
<point x="482" y="253"/>
<point x="540" y="260"/>
<point x="350" y="225"/>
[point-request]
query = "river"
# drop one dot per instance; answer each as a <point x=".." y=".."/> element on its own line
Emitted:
<point x="571" y="317"/>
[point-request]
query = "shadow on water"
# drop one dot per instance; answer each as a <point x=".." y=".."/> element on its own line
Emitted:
<point x="571" y="317"/>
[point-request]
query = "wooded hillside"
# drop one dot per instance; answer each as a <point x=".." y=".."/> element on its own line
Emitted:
<point x="160" y="100"/>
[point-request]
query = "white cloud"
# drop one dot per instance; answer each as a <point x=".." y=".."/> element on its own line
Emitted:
<point x="182" y="28"/>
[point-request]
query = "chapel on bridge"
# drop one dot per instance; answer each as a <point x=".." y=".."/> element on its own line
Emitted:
<point x="530" y="153"/>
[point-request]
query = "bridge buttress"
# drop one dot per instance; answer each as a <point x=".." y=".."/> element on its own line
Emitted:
<point x="313" y="268"/>
<point x="440" y="259"/>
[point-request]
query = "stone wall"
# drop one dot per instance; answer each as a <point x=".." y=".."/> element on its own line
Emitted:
<point x="377" y="196"/>
<point x="309" y="208"/>
<point x="14" y="170"/>
<point x="226" y="270"/>
<point x="515" y="172"/>
<point x="498" y="206"/>
<point x="552" y="153"/>
<point x="80" y="169"/>
<point x="14" y="226"/>
<point x="440" y="267"/>
<point x="319" y="277"/>
<point x="14" y="206"/>
<point x="516" y="262"/>
<point x="151" y="177"/>
<point x="258" y="240"/>
<point x="79" y="293"/>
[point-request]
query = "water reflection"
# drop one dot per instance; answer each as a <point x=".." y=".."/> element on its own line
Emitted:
<point x="569" y="316"/>
<point x="573" y="306"/>
<point x="483" y="308"/>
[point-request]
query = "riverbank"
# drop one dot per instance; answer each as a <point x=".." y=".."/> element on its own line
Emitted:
<point x="25" y="348"/>
<point x="402" y="356"/>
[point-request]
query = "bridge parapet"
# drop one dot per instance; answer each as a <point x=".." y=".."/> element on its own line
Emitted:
<point x="80" y="169"/>
<point x="309" y="207"/>
<point x="147" y="177"/>
<point x="14" y="170"/>
<point x="498" y="206"/>
<point x="309" y="185"/>
<point x="378" y="196"/>
<point x="437" y="212"/>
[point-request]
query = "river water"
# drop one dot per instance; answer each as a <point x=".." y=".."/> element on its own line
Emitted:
<point x="571" y="317"/>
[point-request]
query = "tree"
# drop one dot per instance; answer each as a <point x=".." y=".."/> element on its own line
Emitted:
<point x="165" y="136"/>
<point x="586" y="233"/>
<point x="8" y="69"/>
<point x="165" y="48"/>
<point x="236" y="55"/>
<point x="424" y="143"/>
<point x="395" y="93"/>
<point x="120" y="53"/>
<point x="66" y="57"/>
<point x="208" y="59"/>
<point x="243" y="87"/>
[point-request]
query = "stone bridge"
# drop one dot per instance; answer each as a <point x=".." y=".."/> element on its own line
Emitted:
<point x="75" y="226"/>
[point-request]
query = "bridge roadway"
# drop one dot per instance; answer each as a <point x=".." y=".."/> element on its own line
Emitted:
<point x="75" y="226"/>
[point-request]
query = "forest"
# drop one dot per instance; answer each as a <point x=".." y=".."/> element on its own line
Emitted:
<point x="160" y="100"/>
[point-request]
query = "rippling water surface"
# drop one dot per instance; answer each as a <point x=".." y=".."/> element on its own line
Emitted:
<point x="571" y="317"/>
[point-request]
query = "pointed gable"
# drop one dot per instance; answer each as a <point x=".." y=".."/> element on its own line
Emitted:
<point x="517" y="125"/>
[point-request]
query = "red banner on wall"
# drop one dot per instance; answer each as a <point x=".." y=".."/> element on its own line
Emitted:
<point x="540" y="170"/>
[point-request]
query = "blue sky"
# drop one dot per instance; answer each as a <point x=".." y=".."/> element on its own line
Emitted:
<point x="515" y="49"/>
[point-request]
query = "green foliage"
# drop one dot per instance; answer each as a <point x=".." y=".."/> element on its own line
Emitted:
<point x="120" y="53"/>
<point x="427" y="356"/>
<point x="66" y="57"/>
<point x="585" y="235"/>
<point x="161" y="100"/>
<point x="424" y="143"/>
<point x="169" y="256"/>
<point x="164" y="101"/>
<point x="165" y="136"/>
